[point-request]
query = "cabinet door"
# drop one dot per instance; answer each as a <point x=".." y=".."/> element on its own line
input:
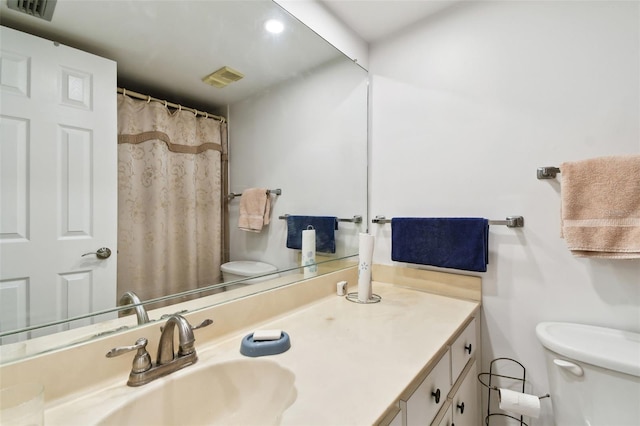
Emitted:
<point x="423" y="405"/>
<point x="466" y="404"/>
<point x="397" y="420"/>
<point x="446" y="419"/>
<point x="463" y="349"/>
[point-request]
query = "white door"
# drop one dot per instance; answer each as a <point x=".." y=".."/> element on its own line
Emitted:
<point x="58" y="188"/>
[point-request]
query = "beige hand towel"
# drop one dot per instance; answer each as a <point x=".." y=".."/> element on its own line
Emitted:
<point x="601" y="207"/>
<point x="255" y="208"/>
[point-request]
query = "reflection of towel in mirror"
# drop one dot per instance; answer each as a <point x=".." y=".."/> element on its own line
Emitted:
<point x="601" y="207"/>
<point x="325" y="227"/>
<point x="255" y="208"/>
<point x="457" y="242"/>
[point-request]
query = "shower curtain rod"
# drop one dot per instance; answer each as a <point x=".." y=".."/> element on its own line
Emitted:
<point x="169" y="104"/>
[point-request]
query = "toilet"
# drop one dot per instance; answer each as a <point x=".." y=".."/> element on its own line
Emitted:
<point x="241" y="269"/>
<point x="594" y="374"/>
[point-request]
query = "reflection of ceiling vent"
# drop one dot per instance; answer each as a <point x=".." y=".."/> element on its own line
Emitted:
<point x="223" y="77"/>
<point x="39" y="8"/>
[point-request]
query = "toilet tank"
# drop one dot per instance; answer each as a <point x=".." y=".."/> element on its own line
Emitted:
<point x="594" y="374"/>
<point x="242" y="269"/>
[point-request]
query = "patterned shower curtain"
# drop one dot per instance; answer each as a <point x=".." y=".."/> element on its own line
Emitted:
<point x="170" y="210"/>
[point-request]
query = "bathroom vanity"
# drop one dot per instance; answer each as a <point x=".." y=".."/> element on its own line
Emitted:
<point x="410" y="359"/>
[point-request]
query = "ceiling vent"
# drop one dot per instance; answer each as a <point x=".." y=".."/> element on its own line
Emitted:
<point x="223" y="77"/>
<point x="42" y="9"/>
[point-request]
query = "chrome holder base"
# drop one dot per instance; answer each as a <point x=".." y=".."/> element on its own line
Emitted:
<point x="353" y="297"/>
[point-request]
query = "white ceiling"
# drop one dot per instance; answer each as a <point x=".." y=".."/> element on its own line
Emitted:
<point x="165" y="48"/>
<point x="375" y="19"/>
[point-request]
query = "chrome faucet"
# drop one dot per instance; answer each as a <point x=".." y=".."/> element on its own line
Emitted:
<point x="143" y="370"/>
<point x="130" y="298"/>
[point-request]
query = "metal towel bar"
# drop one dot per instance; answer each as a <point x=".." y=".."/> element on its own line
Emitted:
<point x="233" y="195"/>
<point x="355" y="219"/>
<point x="510" y="221"/>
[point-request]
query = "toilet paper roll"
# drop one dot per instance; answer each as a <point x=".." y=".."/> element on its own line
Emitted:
<point x="365" y="254"/>
<point x="519" y="403"/>
<point x="308" y="257"/>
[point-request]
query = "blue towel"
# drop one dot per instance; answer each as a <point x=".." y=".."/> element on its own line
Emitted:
<point x="325" y="227"/>
<point x="457" y="243"/>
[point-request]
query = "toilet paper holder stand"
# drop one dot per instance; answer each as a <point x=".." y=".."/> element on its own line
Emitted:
<point x="486" y="379"/>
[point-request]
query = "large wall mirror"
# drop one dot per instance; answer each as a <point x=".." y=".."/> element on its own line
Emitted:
<point x="297" y="122"/>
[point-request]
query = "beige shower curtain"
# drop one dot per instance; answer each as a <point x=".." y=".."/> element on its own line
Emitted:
<point x="170" y="180"/>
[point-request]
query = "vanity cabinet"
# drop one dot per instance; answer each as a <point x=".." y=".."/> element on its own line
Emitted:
<point x="397" y="419"/>
<point x="449" y="394"/>
<point x="463" y="349"/>
<point x="463" y="407"/>
<point x="425" y="402"/>
<point x="465" y="403"/>
<point x="445" y="417"/>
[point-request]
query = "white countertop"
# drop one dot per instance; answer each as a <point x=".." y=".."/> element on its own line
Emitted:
<point x="351" y="361"/>
<point x="357" y="359"/>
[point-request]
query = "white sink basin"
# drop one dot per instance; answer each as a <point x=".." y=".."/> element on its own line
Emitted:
<point x="241" y="392"/>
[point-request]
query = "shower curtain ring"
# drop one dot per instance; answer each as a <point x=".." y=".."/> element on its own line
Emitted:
<point x="179" y="108"/>
<point x="206" y="114"/>
<point x="165" y="104"/>
<point x="195" y="112"/>
<point x="148" y="98"/>
<point x="124" y="92"/>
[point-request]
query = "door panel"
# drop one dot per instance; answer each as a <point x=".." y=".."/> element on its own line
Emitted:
<point x="58" y="196"/>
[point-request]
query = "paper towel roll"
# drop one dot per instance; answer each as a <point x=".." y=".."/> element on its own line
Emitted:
<point x="365" y="254"/>
<point x="308" y="258"/>
<point x="519" y="403"/>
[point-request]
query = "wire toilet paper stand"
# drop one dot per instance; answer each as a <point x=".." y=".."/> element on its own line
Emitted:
<point x="486" y="380"/>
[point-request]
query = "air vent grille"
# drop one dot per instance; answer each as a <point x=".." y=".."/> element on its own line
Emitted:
<point x="223" y="77"/>
<point x="39" y="8"/>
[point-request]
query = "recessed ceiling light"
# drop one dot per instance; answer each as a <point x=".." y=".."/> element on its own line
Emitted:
<point x="274" y="26"/>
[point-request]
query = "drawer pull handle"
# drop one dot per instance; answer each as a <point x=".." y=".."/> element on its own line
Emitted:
<point x="436" y="395"/>
<point x="468" y="348"/>
<point x="461" y="407"/>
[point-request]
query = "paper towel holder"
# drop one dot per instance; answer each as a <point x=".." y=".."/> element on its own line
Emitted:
<point x="490" y="375"/>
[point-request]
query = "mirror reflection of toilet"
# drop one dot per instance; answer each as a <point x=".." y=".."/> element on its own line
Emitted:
<point x="244" y="269"/>
<point x="594" y="374"/>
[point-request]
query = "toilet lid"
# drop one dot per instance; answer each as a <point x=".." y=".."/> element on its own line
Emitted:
<point x="247" y="267"/>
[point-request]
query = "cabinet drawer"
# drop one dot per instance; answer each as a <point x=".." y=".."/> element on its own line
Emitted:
<point x="463" y="349"/>
<point x="397" y="419"/>
<point x="466" y="401"/>
<point x="423" y="405"/>
<point x="445" y="417"/>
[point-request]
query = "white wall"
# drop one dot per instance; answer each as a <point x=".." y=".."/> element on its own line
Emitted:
<point x="465" y="107"/>
<point x="309" y="138"/>
<point x="324" y="23"/>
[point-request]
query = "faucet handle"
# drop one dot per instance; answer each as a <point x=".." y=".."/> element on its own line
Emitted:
<point x="202" y="324"/>
<point x="141" y="343"/>
<point x="142" y="359"/>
